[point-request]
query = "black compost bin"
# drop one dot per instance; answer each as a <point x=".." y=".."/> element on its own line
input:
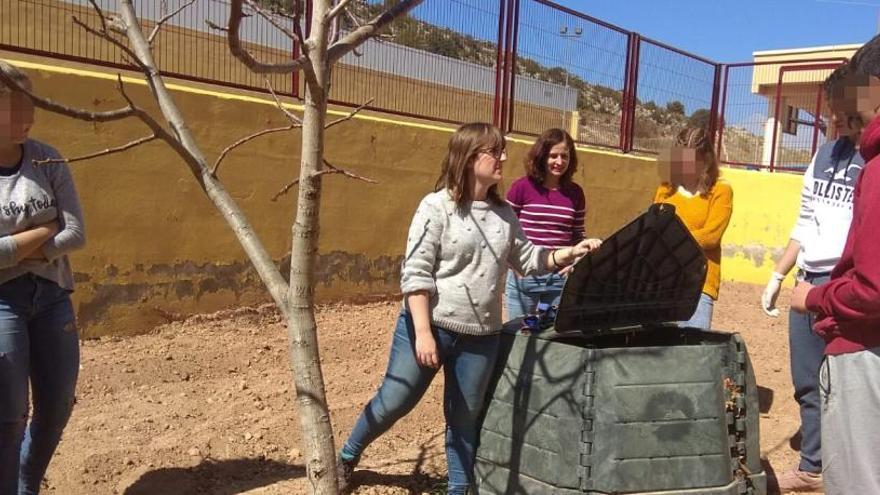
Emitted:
<point x="608" y="398"/>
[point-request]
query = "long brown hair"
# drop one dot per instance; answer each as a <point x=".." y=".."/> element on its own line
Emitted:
<point x="536" y="158"/>
<point x="465" y="144"/>
<point x="700" y="140"/>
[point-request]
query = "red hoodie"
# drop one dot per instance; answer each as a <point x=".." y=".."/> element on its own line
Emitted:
<point x="848" y="306"/>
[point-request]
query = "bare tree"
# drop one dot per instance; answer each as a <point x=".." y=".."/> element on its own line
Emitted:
<point x="324" y="46"/>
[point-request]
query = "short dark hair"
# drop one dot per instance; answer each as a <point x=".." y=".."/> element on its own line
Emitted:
<point x="536" y="158"/>
<point x="834" y="79"/>
<point x="866" y="60"/>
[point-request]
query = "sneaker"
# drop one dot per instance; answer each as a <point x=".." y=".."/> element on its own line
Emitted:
<point x="796" y="481"/>
<point x="344" y="470"/>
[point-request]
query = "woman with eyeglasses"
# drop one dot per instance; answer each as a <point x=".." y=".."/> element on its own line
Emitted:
<point x="551" y="209"/>
<point x="461" y="241"/>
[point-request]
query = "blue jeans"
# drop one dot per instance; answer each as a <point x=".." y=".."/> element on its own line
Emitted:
<point x="702" y="317"/>
<point x="467" y="367"/>
<point x="38" y="343"/>
<point x="522" y="294"/>
<point x="807" y="350"/>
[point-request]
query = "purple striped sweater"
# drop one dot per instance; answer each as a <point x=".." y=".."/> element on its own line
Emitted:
<point x="551" y="218"/>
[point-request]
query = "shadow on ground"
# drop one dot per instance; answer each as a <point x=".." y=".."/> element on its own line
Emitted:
<point x="210" y="477"/>
<point x="413" y="483"/>
<point x="765" y="399"/>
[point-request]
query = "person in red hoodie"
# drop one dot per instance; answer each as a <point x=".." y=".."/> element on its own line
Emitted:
<point x="847" y="310"/>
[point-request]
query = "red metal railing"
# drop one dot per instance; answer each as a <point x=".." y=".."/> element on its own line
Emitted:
<point x="525" y="65"/>
<point x="752" y="113"/>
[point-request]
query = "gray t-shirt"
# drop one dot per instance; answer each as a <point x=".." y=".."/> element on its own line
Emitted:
<point x="461" y="256"/>
<point x="38" y="194"/>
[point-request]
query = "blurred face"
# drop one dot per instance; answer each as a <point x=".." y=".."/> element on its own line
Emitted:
<point x="844" y="125"/>
<point x="16" y="117"/>
<point x="679" y="165"/>
<point x="857" y="96"/>
<point x="488" y="166"/>
<point x="558" y="160"/>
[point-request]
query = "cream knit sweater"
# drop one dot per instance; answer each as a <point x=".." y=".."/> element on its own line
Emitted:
<point x="461" y="256"/>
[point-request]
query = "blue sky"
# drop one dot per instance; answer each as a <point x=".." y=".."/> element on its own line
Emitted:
<point x="730" y="30"/>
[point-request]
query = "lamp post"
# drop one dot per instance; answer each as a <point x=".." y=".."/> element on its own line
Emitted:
<point x="563" y="33"/>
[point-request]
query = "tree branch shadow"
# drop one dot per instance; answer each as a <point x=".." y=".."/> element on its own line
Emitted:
<point x="414" y="482"/>
<point x="226" y="477"/>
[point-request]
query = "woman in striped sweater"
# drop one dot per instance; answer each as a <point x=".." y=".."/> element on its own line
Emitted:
<point x="550" y="208"/>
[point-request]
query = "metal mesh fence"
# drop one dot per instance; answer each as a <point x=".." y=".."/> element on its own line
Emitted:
<point x="186" y="47"/>
<point x="773" y="115"/>
<point x="440" y="62"/>
<point x="570" y="73"/>
<point x="673" y="88"/>
<point x="526" y="65"/>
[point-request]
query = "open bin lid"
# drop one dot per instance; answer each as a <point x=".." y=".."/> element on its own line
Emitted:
<point x="649" y="272"/>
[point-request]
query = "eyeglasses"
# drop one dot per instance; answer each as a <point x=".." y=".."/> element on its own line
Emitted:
<point x="496" y="154"/>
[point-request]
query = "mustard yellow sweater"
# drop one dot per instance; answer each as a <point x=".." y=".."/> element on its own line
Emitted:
<point x="706" y="216"/>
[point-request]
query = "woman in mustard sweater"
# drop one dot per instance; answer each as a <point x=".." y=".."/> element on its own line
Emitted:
<point x="703" y="201"/>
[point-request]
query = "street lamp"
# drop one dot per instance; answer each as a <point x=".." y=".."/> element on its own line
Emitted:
<point x="563" y="33"/>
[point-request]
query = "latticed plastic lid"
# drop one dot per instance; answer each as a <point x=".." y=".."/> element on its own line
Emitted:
<point x="651" y="271"/>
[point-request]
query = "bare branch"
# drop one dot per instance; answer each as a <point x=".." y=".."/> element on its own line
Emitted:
<point x="285" y="189"/>
<point x="357" y="37"/>
<point x="165" y="19"/>
<point x="266" y="15"/>
<point x="108" y="151"/>
<point x="331" y="169"/>
<point x="335" y="11"/>
<point x="293" y="119"/>
<point x="54" y="107"/>
<point x="350" y="114"/>
<point x="105" y="35"/>
<point x="336" y="170"/>
<point x="241" y="53"/>
<point x="246" y="139"/>
<point x="215" y="26"/>
<point x="100" y="15"/>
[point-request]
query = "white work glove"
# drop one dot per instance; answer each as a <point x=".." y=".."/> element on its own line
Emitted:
<point x="771" y="292"/>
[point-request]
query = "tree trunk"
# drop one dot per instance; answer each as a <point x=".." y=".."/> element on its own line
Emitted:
<point x="305" y="362"/>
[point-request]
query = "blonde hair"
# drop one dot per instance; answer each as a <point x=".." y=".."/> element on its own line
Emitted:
<point x="16" y="75"/>
<point x="700" y="140"/>
<point x="464" y="146"/>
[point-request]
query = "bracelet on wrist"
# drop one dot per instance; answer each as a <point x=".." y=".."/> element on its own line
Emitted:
<point x="553" y="258"/>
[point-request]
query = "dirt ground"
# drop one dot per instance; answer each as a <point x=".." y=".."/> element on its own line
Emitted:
<point x="204" y="406"/>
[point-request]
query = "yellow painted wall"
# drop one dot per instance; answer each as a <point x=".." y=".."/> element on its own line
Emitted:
<point x="158" y="250"/>
<point x="765" y="207"/>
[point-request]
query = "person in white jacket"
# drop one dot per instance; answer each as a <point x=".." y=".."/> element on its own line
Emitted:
<point x="816" y="244"/>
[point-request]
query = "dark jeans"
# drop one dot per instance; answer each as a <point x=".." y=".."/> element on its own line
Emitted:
<point x="467" y="366"/>
<point x="38" y="344"/>
<point x="807" y="351"/>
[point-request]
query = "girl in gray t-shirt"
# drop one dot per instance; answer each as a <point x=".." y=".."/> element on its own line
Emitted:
<point x="40" y="222"/>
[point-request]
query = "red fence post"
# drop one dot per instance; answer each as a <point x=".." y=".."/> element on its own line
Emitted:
<point x="505" y="84"/>
<point x="511" y="68"/>
<point x="722" y="112"/>
<point x="713" y="111"/>
<point x="817" y="118"/>
<point x="629" y="132"/>
<point x="499" y="66"/>
<point x="624" y="95"/>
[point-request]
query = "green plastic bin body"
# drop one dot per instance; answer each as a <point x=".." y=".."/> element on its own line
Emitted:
<point x="661" y="410"/>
